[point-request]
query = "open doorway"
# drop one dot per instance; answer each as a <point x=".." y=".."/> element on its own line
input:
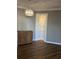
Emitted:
<point x="41" y="26"/>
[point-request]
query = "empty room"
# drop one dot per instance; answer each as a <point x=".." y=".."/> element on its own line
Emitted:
<point x="38" y="29"/>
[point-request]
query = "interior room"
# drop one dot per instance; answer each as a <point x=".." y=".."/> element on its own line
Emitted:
<point x="39" y="29"/>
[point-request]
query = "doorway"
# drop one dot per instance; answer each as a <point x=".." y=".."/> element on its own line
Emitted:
<point x="41" y="26"/>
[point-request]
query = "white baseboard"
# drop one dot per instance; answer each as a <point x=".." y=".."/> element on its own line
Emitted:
<point x="35" y="40"/>
<point x="53" y="42"/>
<point x="50" y="42"/>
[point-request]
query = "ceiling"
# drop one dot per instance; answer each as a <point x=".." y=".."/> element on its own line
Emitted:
<point x="39" y="5"/>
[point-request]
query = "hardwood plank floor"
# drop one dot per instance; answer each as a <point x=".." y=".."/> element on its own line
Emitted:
<point x="39" y="50"/>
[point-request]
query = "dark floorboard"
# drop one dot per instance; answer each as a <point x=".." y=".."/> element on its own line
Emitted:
<point x="39" y="50"/>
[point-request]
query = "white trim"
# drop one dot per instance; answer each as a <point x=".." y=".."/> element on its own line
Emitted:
<point x="35" y="40"/>
<point x="21" y="7"/>
<point x="53" y="42"/>
<point x="38" y="40"/>
<point x="50" y="42"/>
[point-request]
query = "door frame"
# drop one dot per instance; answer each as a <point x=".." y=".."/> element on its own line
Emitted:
<point x="45" y="24"/>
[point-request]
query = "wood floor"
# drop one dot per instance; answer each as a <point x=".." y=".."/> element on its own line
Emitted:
<point x="39" y="50"/>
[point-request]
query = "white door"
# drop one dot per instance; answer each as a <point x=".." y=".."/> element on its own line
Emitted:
<point x="41" y="26"/>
